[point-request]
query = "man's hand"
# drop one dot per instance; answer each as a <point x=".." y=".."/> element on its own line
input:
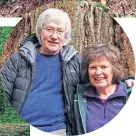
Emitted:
<point x="129" y="82"/>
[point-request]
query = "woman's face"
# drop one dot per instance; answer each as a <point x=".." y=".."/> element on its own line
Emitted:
<point x="52" y="38"/>
<point x="100" y="72"/>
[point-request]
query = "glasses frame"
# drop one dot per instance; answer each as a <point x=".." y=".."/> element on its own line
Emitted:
<point x="51" y="31"/>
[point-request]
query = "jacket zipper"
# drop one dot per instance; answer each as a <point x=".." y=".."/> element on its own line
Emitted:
<point x="105" y="112"/>
<point x="63" y="71"/>
<point x="104" y="108"/>
<point x="67" y="109"/>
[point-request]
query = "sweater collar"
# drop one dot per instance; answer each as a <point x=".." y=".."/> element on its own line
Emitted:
<point x="120" y="92"/>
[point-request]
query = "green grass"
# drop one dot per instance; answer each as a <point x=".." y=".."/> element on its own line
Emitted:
<point x="10" y="116"/>
<point x="7" y="114"/>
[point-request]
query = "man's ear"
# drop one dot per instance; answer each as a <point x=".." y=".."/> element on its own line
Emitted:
<point x="39" y="35"/>
<point x="65" y="36"/>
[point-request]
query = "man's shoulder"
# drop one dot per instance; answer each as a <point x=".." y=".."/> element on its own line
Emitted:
<point x="14" y="58"/>
<point x="14" y="55"/>
<point x="68" y="52"/>
<point x="30" y="38"/>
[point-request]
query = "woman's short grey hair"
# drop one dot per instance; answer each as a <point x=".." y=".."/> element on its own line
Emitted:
<point x="56" y="16"/>
<point x="101" y="50"/>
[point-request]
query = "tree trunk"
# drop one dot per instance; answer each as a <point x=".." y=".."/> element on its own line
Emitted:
<point x="96" y="26"/>
<point x="92" y="26"/>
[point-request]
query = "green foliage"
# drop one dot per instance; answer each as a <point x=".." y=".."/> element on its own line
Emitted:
<point x="7" y="114"/>
<point x="2" y="104"/>
<point x="134" y="4"/>
<point x="4" y="1"/>
<point x="100" y="5"/>
<point x="10" y="116"/>
<point x="131" y="13"/>
<point x="4" y="33"/>
<point x="27" y="131"/>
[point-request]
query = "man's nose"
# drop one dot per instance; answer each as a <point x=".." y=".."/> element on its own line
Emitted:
<point x="54" y="35"/>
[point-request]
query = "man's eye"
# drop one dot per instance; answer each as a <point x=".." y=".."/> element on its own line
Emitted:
<point x="49" y="29"/>
<point x="60" y="31"/>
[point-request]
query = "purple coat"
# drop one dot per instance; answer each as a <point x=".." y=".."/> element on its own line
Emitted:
<point x="91" y="113"/>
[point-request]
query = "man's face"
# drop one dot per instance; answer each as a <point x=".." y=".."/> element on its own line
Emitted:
<point x="52" y="38"/>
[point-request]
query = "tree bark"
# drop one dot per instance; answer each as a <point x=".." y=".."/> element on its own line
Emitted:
<point x="96" y="26"/>
<point x="92" y="26"/>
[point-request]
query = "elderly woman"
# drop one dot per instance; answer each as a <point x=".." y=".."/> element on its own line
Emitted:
<point x="102" y="99"/>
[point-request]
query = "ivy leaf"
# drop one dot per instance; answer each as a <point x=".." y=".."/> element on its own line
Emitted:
<point x="99" y="4"/>
<point x="134" y="4"/>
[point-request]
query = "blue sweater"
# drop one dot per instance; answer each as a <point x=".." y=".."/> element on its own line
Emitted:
<point x="44" y="107"/>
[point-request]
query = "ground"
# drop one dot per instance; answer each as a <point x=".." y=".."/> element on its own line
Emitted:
<point x="16" y="8"/>
<point x="10" y="129"/>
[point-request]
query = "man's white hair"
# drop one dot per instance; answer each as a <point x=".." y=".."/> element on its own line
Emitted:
<point x="56" y="16"/>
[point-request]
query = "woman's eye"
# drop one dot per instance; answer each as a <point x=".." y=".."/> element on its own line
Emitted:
<point x="104" y="66"/>
<point x="92" y="67"/>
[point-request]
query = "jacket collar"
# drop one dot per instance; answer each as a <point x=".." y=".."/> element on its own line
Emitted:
<point x="82" y="103"/>
<point x="91" y="91"/>
<point x="67" y="52"/>
<point x="29" y="45"/>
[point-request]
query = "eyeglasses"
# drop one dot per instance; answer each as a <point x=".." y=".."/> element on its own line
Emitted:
<point x="51" y="31"/>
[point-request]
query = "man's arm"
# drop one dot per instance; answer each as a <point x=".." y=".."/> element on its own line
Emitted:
<point x="8" y="74"/>
<point x="129" y="82"/>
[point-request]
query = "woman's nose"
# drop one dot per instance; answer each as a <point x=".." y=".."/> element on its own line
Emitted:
<point x="98" y="71"/>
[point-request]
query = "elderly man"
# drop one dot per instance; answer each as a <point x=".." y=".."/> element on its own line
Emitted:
<point x="40" y="79"/>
